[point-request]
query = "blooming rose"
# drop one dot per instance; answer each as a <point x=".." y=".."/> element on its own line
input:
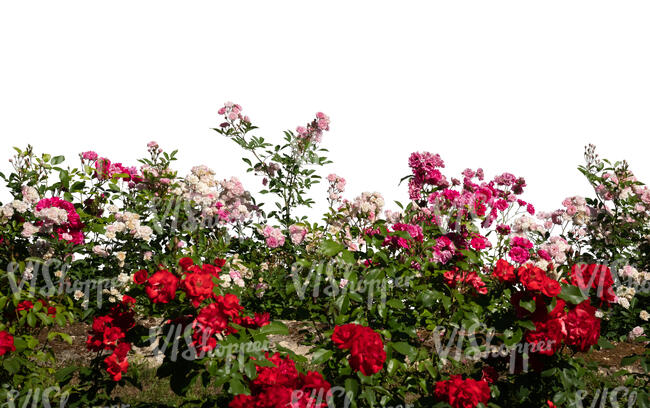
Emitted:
<point x="461" y="393"/>
<point x="198" y="287"/>
<point x="140" y="277"/>
<point x="582" y="326"/>
<point x="6" y="343"/>
<point x="366" y="348"/>
<point x="504" y="271"/>
<point x="161" y="286"/>
<point x="116" y="366"/>
<point x="594" y="276"/>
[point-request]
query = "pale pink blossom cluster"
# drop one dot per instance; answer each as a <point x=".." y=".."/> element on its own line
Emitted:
<point x="29" y="229"/>
<point x="234" y="203"/>
<point x="128" y="222"/>
<point x="30" y="195"/>
<point x="233" y="115"/>
<point x="297" y="233"/>
<point x="557" y="248"/>
<point x="636" y="332"/>
<point x="367" y="205"/>
<point x="225" y="199"/>
<point x="274" y="237"/>
<point x="336" y="187"/>
<point x="153" y="148"/>
<point x="394" y="217"/>
<point x="526" y="224"/>
<point x="52" y="216"/>
<point x="576" y="209"/>
<point x="313" y="132"/>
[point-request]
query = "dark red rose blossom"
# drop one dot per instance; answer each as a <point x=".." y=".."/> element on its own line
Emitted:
<point x="461" y="393"/>
<point x="140" y="277"/>
<point x="551" y="287"/>
<point x="6" y="343"/>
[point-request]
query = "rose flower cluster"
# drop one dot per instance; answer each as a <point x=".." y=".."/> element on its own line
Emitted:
<point x="579" y="327"/>
<point x="108" y="333"/>
<point x="283" y="386"/>
<point x="366" y="348"/>
<point x="461" y="393"/>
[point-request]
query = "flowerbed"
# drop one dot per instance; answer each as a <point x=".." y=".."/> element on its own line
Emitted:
<point x="466" y="296"/>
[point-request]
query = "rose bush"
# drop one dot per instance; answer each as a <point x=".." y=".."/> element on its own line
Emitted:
<point x="462" y="296"/>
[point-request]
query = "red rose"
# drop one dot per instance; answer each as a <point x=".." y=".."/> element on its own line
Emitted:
<point x="219" y="262"/>
<point x="283" y="373"/>
<point x="211" y="269"/>
<point x="343" y="335"/>
<point x="229" y="304"/>
<point x="161" y="286"/>
<point x="212" y="317"/>
<point x="262" y="319"/>
<point x="24" y="306"/>
<point x="243" y="401"/>
<point x="582" y="326"/>
<point x="111" y="336"/>
<point x="198" y="287"/>
<point x="185" y="263"/>
<point x="461" y="393"/>
<point x="532" y="277"/>
<point x="504" y="271"/>
<point x="547" y="337"/>
<point x="122" y="350"/>
<point x="551" y="287"/>
<point x="314" y="381"/>
<point x="6" y="343"/>
<point x="115" y="366"/>
<point x="280" y="385"/>
<point x="594" y="276"/>
<point x="489" y="374"/>
<point x="367" y="350"/>
<point x="140" y="277"/>
<point x="367" y="354"/>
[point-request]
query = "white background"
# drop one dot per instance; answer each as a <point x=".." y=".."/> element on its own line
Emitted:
<point x="513" y="86"/>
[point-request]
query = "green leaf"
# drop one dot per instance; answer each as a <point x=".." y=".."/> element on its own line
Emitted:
<point x="352" y="386"/>
<point x="57" y="159"/>
<point x="237" y="387"/>
<point x="331" y="248"/>
<point x="65" y="373"/>
<point x="250" y="370"/>
<point x="403" y="348"/>
<point x="348" y="257"/>
<point x="572" y="294"/>
<point x="320" y="356"/>
<point x="274" y="328"/>
<point x="12" y="365"/>
<point x="603" y="343"/>
<point x="528" y="305"/>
